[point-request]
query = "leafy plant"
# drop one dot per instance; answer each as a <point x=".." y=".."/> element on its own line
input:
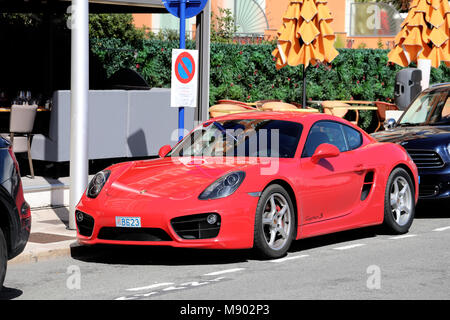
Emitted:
<point x="223" y="26"/>
<point x="248" y="73"/>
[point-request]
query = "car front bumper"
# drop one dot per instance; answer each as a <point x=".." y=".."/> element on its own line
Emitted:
<point x="434" y="184"/>
<point x="237" y="216"/>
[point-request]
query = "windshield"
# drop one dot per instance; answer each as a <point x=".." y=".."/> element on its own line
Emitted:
<point x="241" y="138"/>
<point x="429" y="108"/>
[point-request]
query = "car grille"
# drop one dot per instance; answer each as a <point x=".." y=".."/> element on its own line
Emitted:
<point x="85" y="223"/>
<point x="196" y="226"/>
<point x="425" y="159"/>
<point x="133" y="234"/>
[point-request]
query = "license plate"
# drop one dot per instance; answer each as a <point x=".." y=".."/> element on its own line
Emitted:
<point x="128" y="222"/>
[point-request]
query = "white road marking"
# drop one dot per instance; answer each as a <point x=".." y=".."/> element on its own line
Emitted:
<point x="351" y="246"/>
<point x="153" y="286"/>
<point x="289" y="258"/>
<point x="403" y="236"/>
<point x="442" y="229"/>
<point x="224" y="271"/>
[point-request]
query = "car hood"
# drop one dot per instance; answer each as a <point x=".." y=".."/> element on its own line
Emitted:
<point x="413" y="137"/>
<point x="170" y="178"/>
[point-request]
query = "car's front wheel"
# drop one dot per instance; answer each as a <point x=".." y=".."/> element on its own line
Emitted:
<point x="399" y="204"/>
<point x="274" y="223"/>
<point x="3" y="258"/>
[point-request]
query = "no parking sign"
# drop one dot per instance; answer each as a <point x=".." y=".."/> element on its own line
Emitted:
<point x="184" y="78"/>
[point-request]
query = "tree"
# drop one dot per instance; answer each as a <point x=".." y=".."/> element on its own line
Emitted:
<point x="118" y="26"/>
<point x="223" y="26"/>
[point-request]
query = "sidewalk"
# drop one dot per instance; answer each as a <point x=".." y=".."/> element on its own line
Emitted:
<point x="49" y="236"/>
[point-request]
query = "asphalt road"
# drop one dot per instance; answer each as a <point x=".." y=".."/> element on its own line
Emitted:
<point x="358" y="264"/>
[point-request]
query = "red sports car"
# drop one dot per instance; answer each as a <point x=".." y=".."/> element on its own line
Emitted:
<point x="255" y="180"/>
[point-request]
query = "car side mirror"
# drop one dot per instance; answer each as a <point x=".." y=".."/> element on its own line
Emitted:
<point x="325" y="150"/>
<point x="389" y="123"/>
<point x="164" y="150"/>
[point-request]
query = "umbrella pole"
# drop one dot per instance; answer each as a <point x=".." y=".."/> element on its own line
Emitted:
<point x="304" y="88"/>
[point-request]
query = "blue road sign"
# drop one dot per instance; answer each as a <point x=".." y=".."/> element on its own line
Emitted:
<point x="193" y="7"/>
<point x="183" y="9"/>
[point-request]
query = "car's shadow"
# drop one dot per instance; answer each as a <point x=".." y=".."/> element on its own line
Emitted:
<point x="432" y="209"/>
<point x="147" y="255"/>
<point x="10" y="293"/>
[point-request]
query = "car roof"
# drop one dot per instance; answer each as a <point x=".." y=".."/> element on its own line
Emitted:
<point x="293" y="116"/>
<point x="440" y="85"/>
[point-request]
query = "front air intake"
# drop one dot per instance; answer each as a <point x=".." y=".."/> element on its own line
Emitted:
<point x="198" y="226"/>
<point x="133" y="234"/>
<point x="85" y="223"/>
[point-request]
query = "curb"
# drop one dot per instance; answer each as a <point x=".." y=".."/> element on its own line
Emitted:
<point x="42" y="255"/>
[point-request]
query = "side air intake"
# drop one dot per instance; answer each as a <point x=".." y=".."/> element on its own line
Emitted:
<point x="367" y="186"/>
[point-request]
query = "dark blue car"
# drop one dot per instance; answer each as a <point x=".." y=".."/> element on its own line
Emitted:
<point x="424" y="131"/>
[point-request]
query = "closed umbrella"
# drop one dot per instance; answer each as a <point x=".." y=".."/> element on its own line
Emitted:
<point x="424" y="35"/>
<point x="305" y="37"/>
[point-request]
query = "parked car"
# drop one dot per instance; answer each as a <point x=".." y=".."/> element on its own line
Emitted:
<point x="424" y="131"/>
<point x="15" y="215"/>
<point x="255" y="180"/>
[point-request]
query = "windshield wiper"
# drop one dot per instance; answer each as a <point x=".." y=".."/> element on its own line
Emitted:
<point x="441" y="123"/>
<point x="410" y="124"/>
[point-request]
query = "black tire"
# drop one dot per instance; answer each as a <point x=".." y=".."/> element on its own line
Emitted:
<point x="3" y="258"/>
<point x="399" y="211"/>
<point x="283" y="226"/>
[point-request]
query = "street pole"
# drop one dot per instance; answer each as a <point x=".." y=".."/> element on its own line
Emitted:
<point x="79" y="104"/>
<point x="304" y="88"/>
<point x="203" y="45"/>
<point x="182" y="46"/>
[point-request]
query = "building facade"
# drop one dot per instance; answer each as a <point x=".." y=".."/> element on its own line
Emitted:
<point x="357" y="25"/>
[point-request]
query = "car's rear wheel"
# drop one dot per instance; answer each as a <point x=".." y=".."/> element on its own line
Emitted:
<point x="3" y="258"/>
<point x="274" y="223"/>
<point x="399" y="204"/>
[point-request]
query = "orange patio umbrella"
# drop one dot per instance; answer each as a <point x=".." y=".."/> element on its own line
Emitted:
<point x="305" y="37"/>
<point x="424" y="34"/>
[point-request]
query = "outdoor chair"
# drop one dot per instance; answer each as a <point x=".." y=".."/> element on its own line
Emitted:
<point x="381" y="111"/>
<point x="20" y="126"/>
<point x="338" y="109"/>
<point x="446" y="109"/>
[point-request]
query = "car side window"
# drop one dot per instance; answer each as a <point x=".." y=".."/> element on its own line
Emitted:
<point x="324" y="132"/>
<point x="354" y="138"/>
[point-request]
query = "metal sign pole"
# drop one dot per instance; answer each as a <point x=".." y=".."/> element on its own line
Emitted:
<point x="79" y="104"/>
<point x="182" y="46"/>
<point x="183" y="9"/>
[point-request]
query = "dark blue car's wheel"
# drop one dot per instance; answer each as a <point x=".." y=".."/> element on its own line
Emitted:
<point x="3" y="258"/>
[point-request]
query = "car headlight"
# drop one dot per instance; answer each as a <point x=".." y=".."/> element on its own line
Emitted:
<point x="224" y="186"/>
<point x="448" y="149"/>
<point x="97" y="183"/>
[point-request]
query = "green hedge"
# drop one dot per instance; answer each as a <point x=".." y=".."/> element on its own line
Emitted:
<point x="248" y="73"/>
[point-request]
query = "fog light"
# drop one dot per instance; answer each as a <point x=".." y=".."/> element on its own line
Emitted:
<point x="212" y="219"/>
<point x="80" y="216"/>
